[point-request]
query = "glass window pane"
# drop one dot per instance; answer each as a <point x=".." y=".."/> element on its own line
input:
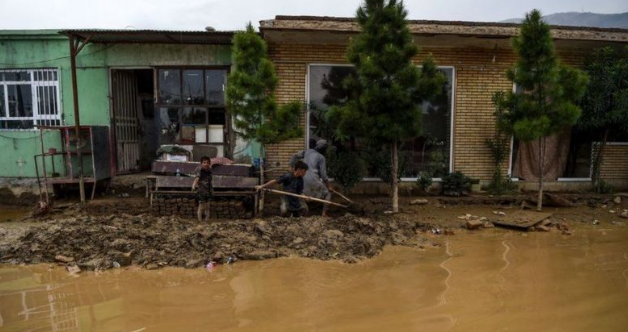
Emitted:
<point x="194" y="123"/>
<point x="326" y="89"/>
<point x="17" y="76"/>
<point x="3" y="110"/>
<point x="430" y="152"/>
<point x="217" y="118"/>
<point x="194" y="116"/>
<point x="16" y="124"/>
<point x="47" y="100"/>
<point x="215" y="80"/>
<point x="170" y="86"/>
<point x="20" y="100"/>
<point x="193" y="87"/>
<point x="168" y="125"/>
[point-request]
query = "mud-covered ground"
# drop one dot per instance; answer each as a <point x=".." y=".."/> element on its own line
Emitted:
<point x="96" y="242"/>
<point x="103" y="234"/>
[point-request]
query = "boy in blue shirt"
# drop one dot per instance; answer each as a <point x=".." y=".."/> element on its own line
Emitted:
<point x="291" y="182"/>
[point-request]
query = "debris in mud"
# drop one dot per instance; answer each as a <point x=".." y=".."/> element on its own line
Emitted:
<point x="624" y="214"/>
<point x="420" y="201"/>
<point x="522" y="219"/>
<point x="64" y="259"/>
<point x="499" y="213"/>
<point x="73" y="269"/>
<point x="556" y="200"/>
<point x="617" y="200"/>
<point x="96" y="242"/>
<point x="468" y="217"/>
<point x="564" y="229"/>
<point x="474" y="224"/>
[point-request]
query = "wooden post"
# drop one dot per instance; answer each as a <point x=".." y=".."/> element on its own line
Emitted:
<point x="77" y="122"/>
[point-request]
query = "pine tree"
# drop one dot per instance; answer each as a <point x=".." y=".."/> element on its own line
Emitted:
<point x="605" y="103"/>
<point x="250" y="97"/>
<point x="388" y="89"/>
<point x="549" y="90"/>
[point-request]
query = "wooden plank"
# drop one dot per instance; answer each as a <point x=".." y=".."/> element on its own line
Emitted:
<point x="520" y="219"/>
<point x="170" y="167"/>
<point x="233" y="170"/>
<point x="174" y="182"/>
<point x="235" y="182"/>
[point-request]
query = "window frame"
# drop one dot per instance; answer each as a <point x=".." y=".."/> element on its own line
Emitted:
<point x="34" y="84"/>
<point x="452" y="112"/>
<point x="208" y="107"/>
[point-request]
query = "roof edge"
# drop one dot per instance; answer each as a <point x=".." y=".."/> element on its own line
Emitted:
<point x="437" y="22"/>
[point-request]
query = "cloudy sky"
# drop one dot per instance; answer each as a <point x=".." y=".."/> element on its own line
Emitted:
<point x="233" y="14"/>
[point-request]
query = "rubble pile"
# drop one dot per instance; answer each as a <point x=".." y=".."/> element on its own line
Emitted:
<point x="102" y="242"/>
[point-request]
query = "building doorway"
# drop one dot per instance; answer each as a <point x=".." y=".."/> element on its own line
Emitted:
<point x="135" y="135"/>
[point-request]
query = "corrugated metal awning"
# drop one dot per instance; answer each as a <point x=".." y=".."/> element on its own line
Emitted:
<point x="151" y="36"/>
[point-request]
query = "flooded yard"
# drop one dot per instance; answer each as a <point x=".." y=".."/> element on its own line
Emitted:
<point x="496" y="280"/>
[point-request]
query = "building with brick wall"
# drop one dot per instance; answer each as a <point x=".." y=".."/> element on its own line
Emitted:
<point x="310" y="58"/>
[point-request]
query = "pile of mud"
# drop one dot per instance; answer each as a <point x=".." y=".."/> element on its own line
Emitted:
<point x="100" y="242"/>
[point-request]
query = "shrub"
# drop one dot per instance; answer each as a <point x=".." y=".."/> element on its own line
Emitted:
<point x="456" y="184"/>
<point x="346" y="168"/>
<point x="603" y="187"/>
<point x="499" y="184"/>
<point x="424" y="181"/>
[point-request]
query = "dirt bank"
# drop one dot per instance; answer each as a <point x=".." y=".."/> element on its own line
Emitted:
<point x="96" y="242"/>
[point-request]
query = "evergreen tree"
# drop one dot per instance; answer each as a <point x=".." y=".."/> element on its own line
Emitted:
<point x="388" y="89"/>
<point x="250" y="96"/>
<point x="605" y="103"/>
<point x="549" y="94"/>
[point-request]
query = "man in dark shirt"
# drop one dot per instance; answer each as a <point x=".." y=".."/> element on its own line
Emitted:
<point x="291" y="182"/>
<point x="203" y="182"/>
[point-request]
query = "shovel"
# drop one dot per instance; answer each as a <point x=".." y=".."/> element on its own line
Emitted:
<point x="304" y="197"/>
<point x="341" y="195"/>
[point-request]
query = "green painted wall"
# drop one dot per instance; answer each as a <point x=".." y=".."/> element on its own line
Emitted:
<point x="34" y="49"/>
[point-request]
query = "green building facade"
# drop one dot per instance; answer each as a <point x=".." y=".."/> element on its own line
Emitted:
<point x="129" y="81"/>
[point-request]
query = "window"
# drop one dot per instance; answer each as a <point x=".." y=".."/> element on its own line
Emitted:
<point x="429" y="152"/>
<point x="432" y="150"/>
<point x="191" y="107"/>
<point x="29" y="98"/>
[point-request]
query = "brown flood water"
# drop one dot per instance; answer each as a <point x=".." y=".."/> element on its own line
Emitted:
<point x="495" y="280"/>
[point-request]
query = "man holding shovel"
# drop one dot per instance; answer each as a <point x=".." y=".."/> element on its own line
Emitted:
<point x="315" y="180"/>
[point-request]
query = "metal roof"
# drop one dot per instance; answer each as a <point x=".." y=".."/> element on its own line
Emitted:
<point x="151" y="36"/>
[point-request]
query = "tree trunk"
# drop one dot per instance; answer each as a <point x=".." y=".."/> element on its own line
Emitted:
<point x="395" y="178"/>
<point x="260" y="212"/>
<point x="539" y="206"/>
<point x="598" y="160"/>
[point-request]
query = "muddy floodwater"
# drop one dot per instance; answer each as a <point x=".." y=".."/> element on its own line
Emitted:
<point x="495" y="280"/>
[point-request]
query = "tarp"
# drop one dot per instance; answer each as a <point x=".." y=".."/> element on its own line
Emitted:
<point x="556" y="152"/>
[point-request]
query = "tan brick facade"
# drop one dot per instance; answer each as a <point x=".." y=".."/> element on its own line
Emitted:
<point x="479" y="72"/>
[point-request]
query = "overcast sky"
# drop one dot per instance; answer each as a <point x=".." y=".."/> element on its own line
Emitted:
<point x="233" y="14"/>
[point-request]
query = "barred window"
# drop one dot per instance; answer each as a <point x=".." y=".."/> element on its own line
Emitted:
<point x="29" y="98"/>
